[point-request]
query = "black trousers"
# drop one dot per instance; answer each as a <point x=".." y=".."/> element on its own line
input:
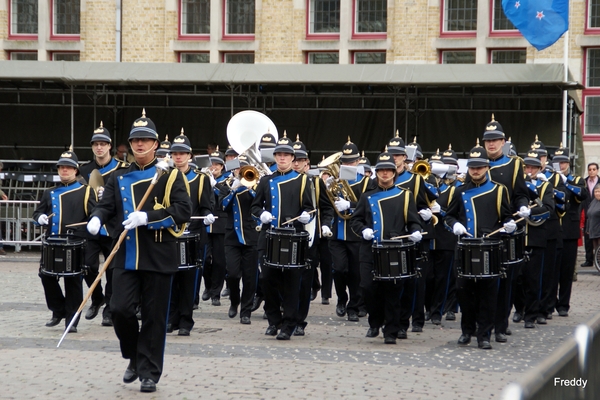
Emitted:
<point x="589" y="249"/>
<point x="183" y="293"/>
<point x="420" y="290"/>
<point x="145" y="344"/>
<point x="304" y="296"/>
<point x="566" y="270"/>
<point x="346" y="272"/>
<point x="63" y="306"/>
<point x="215" y="267"/>
<point x="505" y="297"/>
<point x="443" y="278"/>
<point x="103" y="244"/>
<point x="477" y="300"/>
<point x="532" y="285"/>
<point x="242" y="264"/>
<point x="323" y="257"/>
<point x="281" y="288"/>
<point x="549" y="277"/>
<point x="382" y="301"/>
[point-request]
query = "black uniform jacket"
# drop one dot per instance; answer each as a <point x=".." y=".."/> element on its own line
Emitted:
<point x="577" y="193"/>
<point x="70" y="204"/>
<point x="241" y="226"/>
<point x="151" y="247"/>
<point x="509" y="172"/>
<point x="389" y="212"/>
<point x="537" y="236"/>
<point x="554" y="227"/>
<point x="285" y="196"/>
<point x="481" y="208"/>
<point x="218" y="227"/>
<point x="201" y="195"/>
<point x="444" y="238"/>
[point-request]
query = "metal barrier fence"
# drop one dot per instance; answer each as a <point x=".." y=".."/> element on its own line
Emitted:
<point x="18" y="225"/>
<point x="571" y="372"/>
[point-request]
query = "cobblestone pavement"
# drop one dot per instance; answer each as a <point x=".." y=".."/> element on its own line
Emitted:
<point x="223" y="359"/>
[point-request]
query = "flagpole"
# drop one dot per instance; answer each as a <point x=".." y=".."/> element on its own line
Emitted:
<point x="565" y="92"/>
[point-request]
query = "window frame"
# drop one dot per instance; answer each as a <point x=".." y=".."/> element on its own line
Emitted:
<point x="353" y="54"/>
<point x="11" y="52"/>
<point x="490" y="50"/>
<point x="224" y="53"/>
<point x="452" y="34"/>
<point x="320" y="35"/>
<point x="180" y="53"/>
<point x="442" y="51"/>
<point x="502" y="32"/>
<point x="364" y="35"/>
<point x="593" y="91"/>
<point x="235" y="36"/>
<point x="60" y="36"/>
<point x="587" y="30"/>
<point x="308" y="53"/>
<point x="19" y="36"/>
<point x="189" y="36"/>
<point x="53" y="53"/>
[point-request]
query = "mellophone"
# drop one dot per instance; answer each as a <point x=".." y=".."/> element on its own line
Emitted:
<point x="63" y="255"/>
<point x="488" y="257"/>
<point x="394" y="260"/>
<point x="287" y="248"/>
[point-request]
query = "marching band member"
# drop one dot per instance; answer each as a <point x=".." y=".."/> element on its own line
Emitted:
<point x="106" y="165"/>
<point x="509" y="172"/>
<point x="366" y="165"/>
<point x="576" y="194"/>
<point x="67" y="203"/>
<point x="273" y="205"/>
<point x="144" y="265"/>
<point x="184" y="285"/>
<point x="381" y="214"/>
<point x="240" y="243"/>
<point x="478" y="207"/>
<point x="343" y="243"/>
<point x="164" y="148"/>
<point x="214" y="260"/>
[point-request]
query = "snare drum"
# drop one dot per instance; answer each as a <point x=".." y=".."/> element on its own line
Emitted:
<point x="188" y="251"/>
<point x="394" y="259"/>
<point x="514" y="247"/>
<point x="479" y="258"/>
<point x="286" y="248"/>
<point x="63" y="255"/>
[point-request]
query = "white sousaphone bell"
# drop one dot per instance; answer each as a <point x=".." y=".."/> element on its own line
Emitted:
<point x="244" y="131"/>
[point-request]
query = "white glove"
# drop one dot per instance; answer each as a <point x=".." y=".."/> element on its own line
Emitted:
<point x="266" y="217"/>
<point x="43" y="219"/>
<point x="209" y="219"/>
<point x="93" y="225"/>
<point x="436" y="208"/>
<point x="342" y="205"/>
<point x="425" y="214"/>
<point x="213" y="181"/>
<point x="368" y="234"/>
<point x="542" y="177"/>
<point x="236" y="184"/>
<point x="135" y="219"/>
<point x="415" y="237"/>
<point x="304" y="218"/>
<point x="459" y="229"/>
<point x="329" y="181"/>
<point x="100" y="192"/>
<point x="563" y="177"/>
<point x="510" y="226"/>
<point x="325" y="231"/>
<point x="524" y="212"/>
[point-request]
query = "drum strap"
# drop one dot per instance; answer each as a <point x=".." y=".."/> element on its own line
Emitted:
<point x="85" y="200"/>
<point x="499" y="199"/>
<point x="366" y="180"/>
<point x="406" y="208"/>
<point x="167" y="200"/>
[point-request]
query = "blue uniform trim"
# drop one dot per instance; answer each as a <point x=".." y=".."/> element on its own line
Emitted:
<point x="469" y="205"/>
<point x="276" y="194"/>
<point x="404" y="177"/>
<point x="432" y="190"/>
<point x="126" y="184"/>
<point x="376" y="212"/>
<point x="576" y="190"/>
<point x="504" y="160"/>
<point x="55" y="197"/>
<point x="531" y="186"/>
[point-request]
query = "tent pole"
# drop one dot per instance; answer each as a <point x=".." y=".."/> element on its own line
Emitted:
<point x="565" y="93"/>
<point x="72" y="121"/>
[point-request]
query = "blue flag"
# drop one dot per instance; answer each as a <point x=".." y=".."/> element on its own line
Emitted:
<point x="541" y="22"/>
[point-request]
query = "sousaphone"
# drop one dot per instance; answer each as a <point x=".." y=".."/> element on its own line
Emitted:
<point x="244" y="131"/>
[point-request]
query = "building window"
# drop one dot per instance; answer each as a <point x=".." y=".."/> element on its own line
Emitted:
<point x="460" y="15"/>
<point x="65" y="56"/>
<point x="364" y="57"/>
<point x="66" y="17"/>
<point x="458" y="57"/>
<point x="238" y="58"/>
<point x="593" y="12"/>
<point x="508" y="56"/>
<point x="24" y="55"/>
<point x="23" y="17"/>
<point x="239" y="17"/>
<point x="323" y="58"/>
<point x="592" y="74"/>
<point x="371" y="16"/>
<point x="500" y="21"/>
<point x="591" y="93"/>
<point x="324" y="16"/>
<point x="202" y="58"/>
<point x="592" y="115"/>
<point x="195" y="17"/>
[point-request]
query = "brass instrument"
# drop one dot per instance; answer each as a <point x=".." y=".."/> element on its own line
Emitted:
<point x="249" y="175"/>
<point x="339" y="188"/>
<point x="422" y="168"/>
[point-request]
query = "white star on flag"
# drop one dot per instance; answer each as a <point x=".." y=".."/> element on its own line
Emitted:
<point x="540" y="15"/>
<point x="517" y="4"/>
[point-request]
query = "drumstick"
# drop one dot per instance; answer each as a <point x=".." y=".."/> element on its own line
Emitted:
<point x="406" y="236"/>
<point x="258" y="228"/>
<point x="158" y="174"/>
<point x="77" y="224"/>
<point x="51" y="215"/>
<point x="499" y="229"/>
<point x="296" y="218"/>
<point x="201" y="217"/>
<point x="530" y="207"/>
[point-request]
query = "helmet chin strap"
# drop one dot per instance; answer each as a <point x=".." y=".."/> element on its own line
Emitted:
<point x="142" y="153"/>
